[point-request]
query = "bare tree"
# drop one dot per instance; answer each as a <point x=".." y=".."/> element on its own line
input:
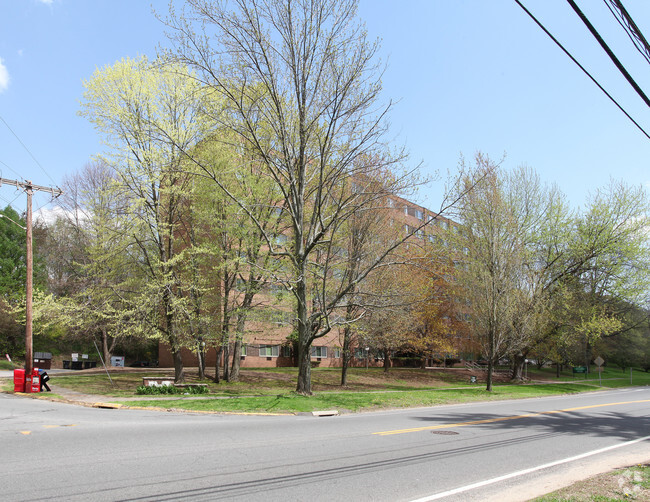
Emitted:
<point x="299" y="84"/>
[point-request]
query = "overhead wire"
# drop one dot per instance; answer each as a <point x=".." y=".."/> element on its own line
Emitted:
<point x="609" y="52"/>
<point x="28" y="151"/>
<point x="11" y="169"/>
<point x="623" y="17"/>
<point x="582" y="68"/>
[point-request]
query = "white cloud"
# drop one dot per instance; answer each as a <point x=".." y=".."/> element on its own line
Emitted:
<point x="47" y="2"/>
<point x="49" y="215"/>
<point x="4" y="77"/>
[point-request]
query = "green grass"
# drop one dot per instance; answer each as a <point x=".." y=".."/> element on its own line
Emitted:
<point x="6" y="365"/>
<point x="362" y="401"/>
<point x="270" y="390"/>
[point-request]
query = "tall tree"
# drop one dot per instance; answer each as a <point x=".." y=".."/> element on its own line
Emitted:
<point x="301" y="93"/>
<point x="149" y="116"/>
<point x="500" y="217"/>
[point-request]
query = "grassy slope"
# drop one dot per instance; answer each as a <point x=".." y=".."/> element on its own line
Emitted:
<point x="271" y="390"/>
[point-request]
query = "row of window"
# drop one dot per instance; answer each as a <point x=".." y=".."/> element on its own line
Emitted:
<point x="317" y="352"/>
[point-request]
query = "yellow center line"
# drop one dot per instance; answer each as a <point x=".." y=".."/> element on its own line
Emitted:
<point x="501" y="419"/>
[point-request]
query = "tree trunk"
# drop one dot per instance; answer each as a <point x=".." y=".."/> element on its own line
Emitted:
<point x="179" y="371"/>
<point x="226" y="361"/>
<point x="201" y="359"/>
<point x="217" y="363"/>
<point x="304" y="336"/>
<point x="345" y="363"/>
<point x="236" y="361"/>
<point x="304" y="370"/>
<point x="239" y="335"/>
<point x="387" y="362"/>
<point x="518" y="367"/>
<point x="105" y="350"/>
<point x="491" y="356"/>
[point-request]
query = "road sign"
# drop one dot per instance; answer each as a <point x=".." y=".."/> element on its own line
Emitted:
<point x="599" y="361"/>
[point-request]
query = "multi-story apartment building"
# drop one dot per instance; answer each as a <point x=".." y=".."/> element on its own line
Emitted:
<point x="267" y="340"/>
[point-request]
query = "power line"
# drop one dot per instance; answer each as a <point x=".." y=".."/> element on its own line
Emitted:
<point x="609" y="52"/>
<point x="581" y="67"/>
<point x="11" y="169"/>
<point x="631" y="29"/>
<point x="636" y="41"/>
<point x="27" y="149"/>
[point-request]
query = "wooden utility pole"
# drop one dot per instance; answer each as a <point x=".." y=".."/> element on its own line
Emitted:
<point x="29" y="188"/>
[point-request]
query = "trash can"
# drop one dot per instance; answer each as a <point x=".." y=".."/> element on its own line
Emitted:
<point x="19" y="380"/>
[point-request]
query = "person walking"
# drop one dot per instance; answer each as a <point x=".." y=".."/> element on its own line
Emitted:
<point x="44" y="377"/>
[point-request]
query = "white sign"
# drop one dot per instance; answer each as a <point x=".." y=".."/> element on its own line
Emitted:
<point x="75" y="357"/>
<point x="84" y="356"/>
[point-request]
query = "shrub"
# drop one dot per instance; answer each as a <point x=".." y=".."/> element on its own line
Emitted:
<point x="171" y="389"/>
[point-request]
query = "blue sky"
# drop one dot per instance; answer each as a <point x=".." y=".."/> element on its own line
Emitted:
<point x="466" y="75"/>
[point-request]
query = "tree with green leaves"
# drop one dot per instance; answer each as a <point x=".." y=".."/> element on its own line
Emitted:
<point x="149" y="115"/>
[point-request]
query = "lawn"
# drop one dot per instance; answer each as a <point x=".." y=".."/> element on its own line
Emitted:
<point x="270" y="390"/>
<point x="361" y="400"/>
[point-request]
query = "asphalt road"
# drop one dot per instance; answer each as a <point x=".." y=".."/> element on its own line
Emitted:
<point x="506" y="450"/>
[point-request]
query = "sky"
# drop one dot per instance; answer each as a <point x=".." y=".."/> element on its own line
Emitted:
<point x="464" y="75"/>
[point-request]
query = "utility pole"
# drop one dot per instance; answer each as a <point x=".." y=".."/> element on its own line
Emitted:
<point x="29" y="188"/>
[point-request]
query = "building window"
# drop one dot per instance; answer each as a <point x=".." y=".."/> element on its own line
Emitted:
<point x="319" y="352"/>
<point x="444" y="224"/>
<point x="269" y="350"/>
<point x="419" y="214"/>
<point x="286" y="351"/>
<point x="243" y="350"/>
<point x="336" y="353"/>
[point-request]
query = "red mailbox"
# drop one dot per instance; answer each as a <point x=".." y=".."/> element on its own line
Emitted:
<point x="19" y="380"/>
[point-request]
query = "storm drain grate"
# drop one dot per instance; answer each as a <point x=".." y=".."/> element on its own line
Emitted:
<point x="445" y="433"/>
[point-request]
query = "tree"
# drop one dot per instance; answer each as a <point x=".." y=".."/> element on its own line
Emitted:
<point x="13" y="252"/>
<point x="607" y="294"/>
<point x="97" y="224"/>
<point x="500" y="220"/>
<point x="245" y="265"/>
<point x="149" y="116"/>
<point x="301" y="94"/>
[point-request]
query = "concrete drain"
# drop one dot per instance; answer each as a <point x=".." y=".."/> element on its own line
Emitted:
<point x="445" y="433"/>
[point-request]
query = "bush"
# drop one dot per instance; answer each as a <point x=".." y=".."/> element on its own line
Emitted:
<point x="171" y="389"/>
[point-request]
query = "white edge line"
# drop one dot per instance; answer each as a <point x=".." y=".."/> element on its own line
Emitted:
<point x="525" y="471"/>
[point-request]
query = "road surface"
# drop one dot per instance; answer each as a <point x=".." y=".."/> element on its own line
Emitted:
<point x="508" y="450"/>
